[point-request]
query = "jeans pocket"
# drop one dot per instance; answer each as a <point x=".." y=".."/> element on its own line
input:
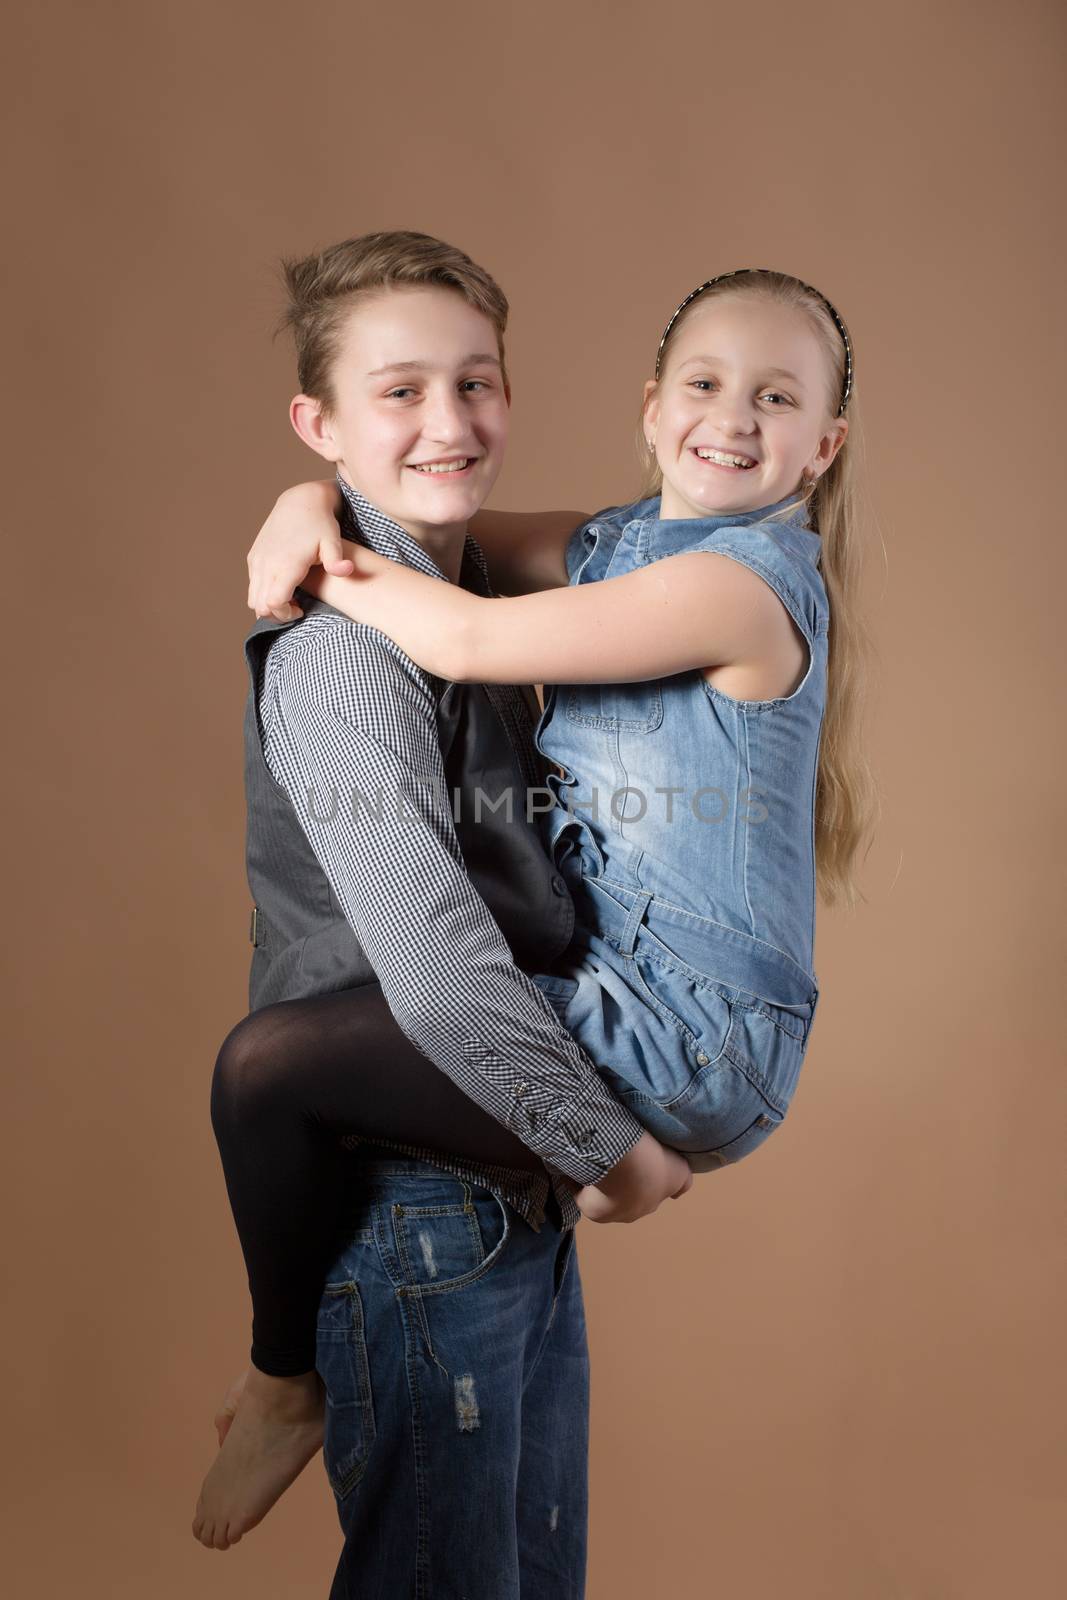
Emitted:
<point x="563" y="1261"/>
<point x="341" y="1362"/>
<point x="767" y="1053"/>
<point x="700" y="1012"/>
<point x="444" y="1243"/>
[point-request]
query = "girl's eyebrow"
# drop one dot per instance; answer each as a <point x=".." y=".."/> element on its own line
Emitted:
<point x="427" y="366"/>
<point x="770" y="372"/>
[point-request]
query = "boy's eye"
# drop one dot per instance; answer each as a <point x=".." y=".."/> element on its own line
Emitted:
<point x="404" y="391"/>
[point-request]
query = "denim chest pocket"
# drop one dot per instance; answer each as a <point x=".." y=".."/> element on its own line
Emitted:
<point x="623" y="707"/>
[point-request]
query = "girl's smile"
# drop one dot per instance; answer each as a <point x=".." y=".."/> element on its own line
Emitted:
<point x="724" y="460"/>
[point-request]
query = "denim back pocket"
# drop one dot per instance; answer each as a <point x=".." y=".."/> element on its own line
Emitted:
<point x="764" y="1124"/>
<point x="341" y="1362"/>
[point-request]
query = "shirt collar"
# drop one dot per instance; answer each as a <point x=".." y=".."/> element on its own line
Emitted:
<point x="365" y="524"/>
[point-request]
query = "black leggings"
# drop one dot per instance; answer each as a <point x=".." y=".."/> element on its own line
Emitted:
<point x="289" y="1081"/>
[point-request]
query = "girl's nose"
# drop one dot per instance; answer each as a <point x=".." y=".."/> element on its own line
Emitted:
<point x="733" y="416"/>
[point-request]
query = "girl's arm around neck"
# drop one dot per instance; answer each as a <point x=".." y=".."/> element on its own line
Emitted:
<point x="699" y="609"/>
<point x="525" y="551"/>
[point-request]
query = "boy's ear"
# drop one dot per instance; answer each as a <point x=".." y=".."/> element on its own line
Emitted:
<point x="306" y="416"/>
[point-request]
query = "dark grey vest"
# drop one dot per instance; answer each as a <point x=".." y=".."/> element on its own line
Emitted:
<point x="303" y="942"/>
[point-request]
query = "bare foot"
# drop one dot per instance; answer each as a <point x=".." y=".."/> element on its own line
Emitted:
<point x="228" y="1410"/>
<point x="269" y="1429"/>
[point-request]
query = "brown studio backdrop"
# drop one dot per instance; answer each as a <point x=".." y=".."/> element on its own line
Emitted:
<point x="829" y="1373"/>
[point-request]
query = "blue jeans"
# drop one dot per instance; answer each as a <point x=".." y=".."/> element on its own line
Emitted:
<point x="452" y="1343"/>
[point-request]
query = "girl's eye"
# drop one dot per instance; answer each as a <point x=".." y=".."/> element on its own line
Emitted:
<point x="704" y="385"/>
<point x="395" y="394"/>
<point x="474" y="383"/>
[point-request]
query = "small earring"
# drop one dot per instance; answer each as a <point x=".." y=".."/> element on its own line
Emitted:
<point x="651" y="446"/>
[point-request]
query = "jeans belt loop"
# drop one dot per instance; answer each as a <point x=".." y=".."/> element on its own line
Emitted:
<point x="628" y="937"/>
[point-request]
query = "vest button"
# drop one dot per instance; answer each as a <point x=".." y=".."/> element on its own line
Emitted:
<point x="559" y="885"/>
<point x="702" y="1058"/>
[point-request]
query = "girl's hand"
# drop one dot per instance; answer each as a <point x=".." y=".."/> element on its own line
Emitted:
<point x="646" y="1176"/>
<point x="300" y="533"/>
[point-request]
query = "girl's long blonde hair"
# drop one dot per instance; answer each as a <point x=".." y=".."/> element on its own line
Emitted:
<point x="846" y="795"/>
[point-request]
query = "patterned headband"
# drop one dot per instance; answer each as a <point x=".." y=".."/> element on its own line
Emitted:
<point x="839" y="324"/>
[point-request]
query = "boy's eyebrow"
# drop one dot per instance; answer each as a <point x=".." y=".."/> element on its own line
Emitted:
<point x="425" y="366"/>
<point x="770" y="372"/>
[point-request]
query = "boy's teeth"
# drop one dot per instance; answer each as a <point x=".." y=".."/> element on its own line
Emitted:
<point x="444" y="466"/>
<point x="725" y="460"/>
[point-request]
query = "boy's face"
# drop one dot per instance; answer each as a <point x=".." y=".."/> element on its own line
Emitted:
<point x="421" y="419"/>
<point x="745" y="378"/>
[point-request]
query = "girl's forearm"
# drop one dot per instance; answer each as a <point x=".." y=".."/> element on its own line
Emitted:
<point x="434" y="622"/>
<point x="314" y="494"/>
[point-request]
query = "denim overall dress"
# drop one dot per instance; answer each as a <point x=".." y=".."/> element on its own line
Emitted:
<point x="683" y="821"/>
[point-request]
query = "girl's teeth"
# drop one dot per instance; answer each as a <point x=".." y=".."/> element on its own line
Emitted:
<point x="445" y="466"/>
<point x="724" y="460"/>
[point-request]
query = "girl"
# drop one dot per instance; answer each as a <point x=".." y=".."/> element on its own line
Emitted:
<point x="701" y="714"/>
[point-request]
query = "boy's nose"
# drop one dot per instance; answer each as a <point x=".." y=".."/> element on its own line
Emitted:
<point x="445" y="421"/>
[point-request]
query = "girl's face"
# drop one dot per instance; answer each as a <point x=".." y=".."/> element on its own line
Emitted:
<point x="740" y="412"/>
<point x="421" y="418"/>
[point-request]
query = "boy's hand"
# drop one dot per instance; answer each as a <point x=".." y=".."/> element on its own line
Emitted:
<point x="647" y="1175"/>
<point x="300" y="533"/>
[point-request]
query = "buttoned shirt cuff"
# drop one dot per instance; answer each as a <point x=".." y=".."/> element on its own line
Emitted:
<point x="586" y="1138"/>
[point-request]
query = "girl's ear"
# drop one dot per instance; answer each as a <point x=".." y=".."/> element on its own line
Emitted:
<point x="830" y="444"/>
<point x="306" y="416"/>
<point x="650" y="406"/>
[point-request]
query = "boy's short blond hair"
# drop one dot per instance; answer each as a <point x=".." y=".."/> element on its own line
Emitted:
<point x="323" y="287"/>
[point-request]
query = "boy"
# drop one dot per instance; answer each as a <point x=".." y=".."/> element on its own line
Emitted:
<point x="425" y="1352"/>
